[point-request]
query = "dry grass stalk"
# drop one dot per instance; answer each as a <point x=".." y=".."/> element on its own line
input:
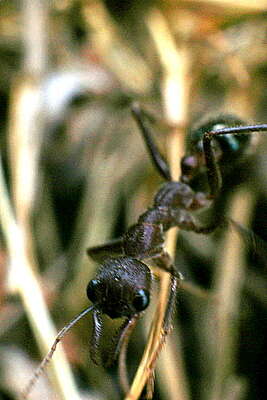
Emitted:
<point x="231" y="6"/>
<point x="129" y="67"/>
<point x="25" y="138"/>
<point x="28" y="287"/>
<point x="228" y="283"/>
<point x="175" y="96"/>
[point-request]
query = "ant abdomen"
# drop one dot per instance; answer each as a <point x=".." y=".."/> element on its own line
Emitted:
<point x="229" y="144"/>
<point x="226" y="147"/>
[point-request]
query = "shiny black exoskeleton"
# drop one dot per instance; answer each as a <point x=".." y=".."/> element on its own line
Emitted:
<point x="120" y="299"/>
<point x="228" y="149"/>
<point x="123" y="283"/>
<point x="122" y="286"/>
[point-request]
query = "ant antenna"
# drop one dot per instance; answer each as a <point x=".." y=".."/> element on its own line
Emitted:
<point x="48" y="357"/>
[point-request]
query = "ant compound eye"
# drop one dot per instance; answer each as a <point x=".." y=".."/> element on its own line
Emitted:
<point x="141" y="300"/>
<point x="92" y="289"/>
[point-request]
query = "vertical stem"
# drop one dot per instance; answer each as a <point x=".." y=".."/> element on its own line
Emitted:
<point x="28" y="287"/>
<point x="175" y="97"/>
<point x="35" y="25"/>
<point x="223" y="316"/>
<point x="25" y="137"/>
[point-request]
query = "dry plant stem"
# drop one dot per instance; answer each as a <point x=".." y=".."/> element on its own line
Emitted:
<point x="240" y="101"/>
<point x="236" y="7"/>
<point x="175" y="97"/>
<point x="237" y="68"/>
<point x="169" y="358"/>
<point x="24" y="146"/>
<point x="176" y="86"/>
<point x="176" y="67"/>
<point x="109" y="44"/>
<point x="25" y="138"/>
<point x="35" y="36"/>
<point x="49" y="355"/>
<point x="30" y="292"/>
<point x="146" y="365"/>
<point x="195" y="290"/>
<point x="228" y="283"/>
<point x="26" y="124"/>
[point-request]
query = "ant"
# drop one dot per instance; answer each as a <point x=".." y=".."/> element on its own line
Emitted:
<point x="122" y="286"/>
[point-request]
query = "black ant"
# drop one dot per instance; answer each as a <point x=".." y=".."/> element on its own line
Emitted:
<point x="122" y="286"/>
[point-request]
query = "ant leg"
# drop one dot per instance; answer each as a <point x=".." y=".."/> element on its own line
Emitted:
<point x="150" y="385"/>
<point x="167" y="325"/>
<point x="184" y="220"/>
<point x="109" y="249"/>
<point x="213" y="171"/>
<point x="219" y="221"/>
<point x="124" y="340"/>
<point x="164" y="262"/>
<point x="96" y="335"/>
<point x="157" y="159"/>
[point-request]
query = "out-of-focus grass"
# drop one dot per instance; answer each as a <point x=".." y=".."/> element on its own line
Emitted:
<point x="77" y="174"/>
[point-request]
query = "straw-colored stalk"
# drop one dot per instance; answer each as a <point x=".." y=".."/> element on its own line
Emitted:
<point x="223" y="314"/>
<point x="130" y="68"/>
<point x="28" y="287"/>
<point x="175" y="90"/>
<point x="25" y="138"/>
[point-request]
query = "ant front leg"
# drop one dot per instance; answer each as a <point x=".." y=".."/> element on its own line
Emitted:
<point x="213" y="170"/>
<point x="124" y="335"/>
<point x="120" y="340"/>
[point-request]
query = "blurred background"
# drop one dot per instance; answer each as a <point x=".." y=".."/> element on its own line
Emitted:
<point x="75" y="173"/>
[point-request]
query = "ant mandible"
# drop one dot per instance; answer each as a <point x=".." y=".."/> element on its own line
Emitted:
<point x="122" y="286"/>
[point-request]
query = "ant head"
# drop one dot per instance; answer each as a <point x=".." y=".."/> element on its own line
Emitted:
<point x="121" y="287"/>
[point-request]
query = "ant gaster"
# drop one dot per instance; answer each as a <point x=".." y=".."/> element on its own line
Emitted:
<point x="121" y="288"/>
